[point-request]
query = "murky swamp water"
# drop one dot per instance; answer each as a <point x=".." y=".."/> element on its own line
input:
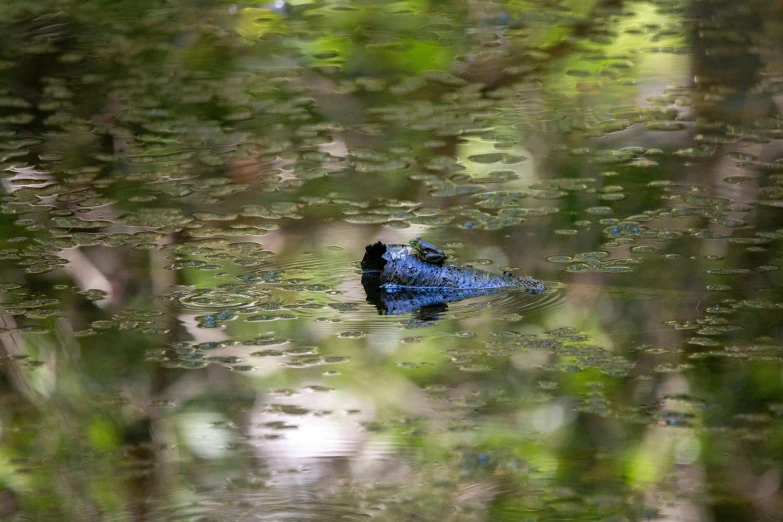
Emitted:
<point x="187" y="191"/>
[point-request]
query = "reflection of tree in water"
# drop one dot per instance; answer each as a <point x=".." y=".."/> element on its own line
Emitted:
<point x="92" y="428"/>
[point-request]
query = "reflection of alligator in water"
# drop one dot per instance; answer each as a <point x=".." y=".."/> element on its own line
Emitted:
<point x="397" y="280"/>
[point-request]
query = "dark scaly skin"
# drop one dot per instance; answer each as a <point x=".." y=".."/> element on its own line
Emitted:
<point x="428" y="252"/>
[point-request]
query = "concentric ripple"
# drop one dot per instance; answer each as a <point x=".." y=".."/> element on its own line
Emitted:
<point x="212" y="299"/>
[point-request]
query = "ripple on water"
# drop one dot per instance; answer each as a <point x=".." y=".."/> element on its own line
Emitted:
<point x="513" y="305"/>
<point x="274" y="286"/>
<point x="510" y="303"/>
<point x="327" y="269"/>
<point x="326" y="288"/>
<point x="252" y="494"/>
<point x="210" y="299"/>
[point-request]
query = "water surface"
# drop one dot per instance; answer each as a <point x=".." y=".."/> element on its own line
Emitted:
<point x="188" y="188"/>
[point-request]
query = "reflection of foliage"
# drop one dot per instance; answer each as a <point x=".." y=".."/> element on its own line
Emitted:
<point x="149" y="148"/>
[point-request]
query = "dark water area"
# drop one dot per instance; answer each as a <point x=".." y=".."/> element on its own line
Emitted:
<point x="187" y="192"/>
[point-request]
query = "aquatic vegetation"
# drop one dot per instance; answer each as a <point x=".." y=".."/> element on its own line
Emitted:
<point x="185" y="328"/>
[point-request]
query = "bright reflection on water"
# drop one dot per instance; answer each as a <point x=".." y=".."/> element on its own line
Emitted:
<point x="188" y="189"/>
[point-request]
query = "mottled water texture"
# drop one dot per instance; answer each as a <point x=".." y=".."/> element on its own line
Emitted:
<point x="187" y="192"/>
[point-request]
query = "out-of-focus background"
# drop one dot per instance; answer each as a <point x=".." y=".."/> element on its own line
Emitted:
<point x="187" y="191"/>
